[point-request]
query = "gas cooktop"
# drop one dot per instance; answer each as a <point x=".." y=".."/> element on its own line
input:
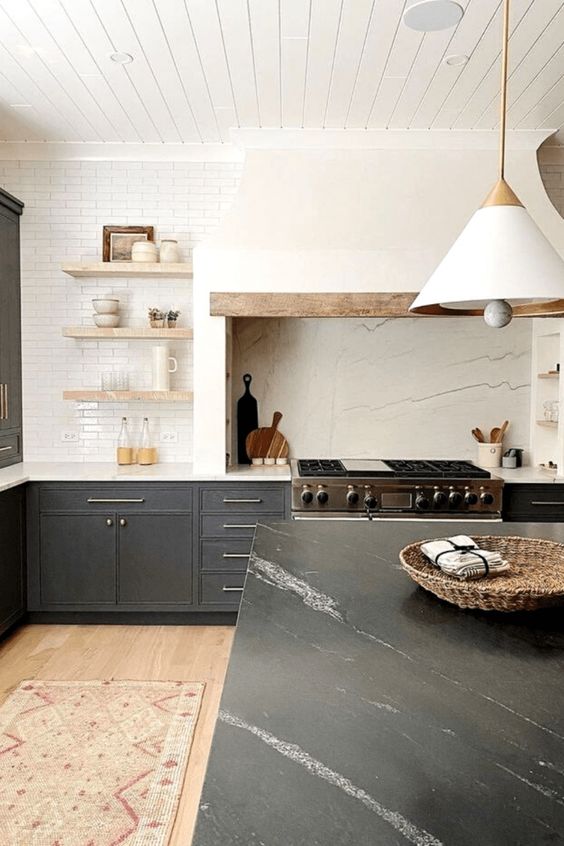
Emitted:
<point x="394" y="468"/>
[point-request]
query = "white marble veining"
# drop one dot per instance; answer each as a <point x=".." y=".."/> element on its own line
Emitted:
<point x="387" y="388"/>
<point x="46" y="471"/>
<point x="299" y="756"/>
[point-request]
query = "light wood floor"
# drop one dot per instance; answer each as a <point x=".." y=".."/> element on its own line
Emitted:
<point x="147" y="653"/>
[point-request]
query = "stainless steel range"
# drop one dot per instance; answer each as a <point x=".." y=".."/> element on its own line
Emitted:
<point x="388" y="488"/>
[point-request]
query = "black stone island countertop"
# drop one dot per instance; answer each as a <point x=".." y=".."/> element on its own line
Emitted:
<point x="361" y="710"/>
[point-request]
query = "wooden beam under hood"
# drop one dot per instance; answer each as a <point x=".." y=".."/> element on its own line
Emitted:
<point x="390" y="304"/>
<point x="248" y="304"/>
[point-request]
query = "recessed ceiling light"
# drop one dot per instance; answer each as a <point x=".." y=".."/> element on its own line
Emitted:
<point x="456" y="59"/>
<point x="121" y="58"/>
<point x="433" y="15"/>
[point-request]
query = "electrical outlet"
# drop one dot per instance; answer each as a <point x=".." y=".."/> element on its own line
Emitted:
<point x="169" y="437"/>
<point x="69" y="437"/>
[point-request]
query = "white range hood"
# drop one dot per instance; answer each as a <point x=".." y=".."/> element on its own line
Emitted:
<point x="343" y="212"/>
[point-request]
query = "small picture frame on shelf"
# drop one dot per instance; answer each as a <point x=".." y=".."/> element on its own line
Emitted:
<point x="117" y="241"/>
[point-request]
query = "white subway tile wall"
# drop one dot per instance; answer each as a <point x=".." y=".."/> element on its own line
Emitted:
<point x="66" y="205"/>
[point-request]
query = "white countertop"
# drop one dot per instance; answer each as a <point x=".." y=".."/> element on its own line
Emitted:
<point x="46" y="471"/>
<point x="526" y="475"/>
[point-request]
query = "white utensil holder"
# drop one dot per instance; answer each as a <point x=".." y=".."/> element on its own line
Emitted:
<point x="489" y="455"/>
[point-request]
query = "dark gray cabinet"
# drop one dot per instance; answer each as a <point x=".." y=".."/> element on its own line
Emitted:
<point x="539" y="503"/>
<point x="228" y="515"/>
<point x="10" y="332"/>
<point x="12" y="558"/>
<point x="154" y="558"/>
<point x="110" y="547"/>
<point x="134" y="547"/>
<point x="78" y="554"/>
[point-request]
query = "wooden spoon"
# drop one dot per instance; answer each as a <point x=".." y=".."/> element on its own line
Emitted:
<point x="502" y="431"/>
<point x="475" y="436"/>
<point x="479" y="435"/>
<point x="494" y="434"/>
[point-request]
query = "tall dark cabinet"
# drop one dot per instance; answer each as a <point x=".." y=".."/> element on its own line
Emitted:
<point x="10" y="331"/>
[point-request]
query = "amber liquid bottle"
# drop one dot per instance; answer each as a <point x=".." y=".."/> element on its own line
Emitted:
<point x="124" y="450"/>
<point x="147" y="453"/>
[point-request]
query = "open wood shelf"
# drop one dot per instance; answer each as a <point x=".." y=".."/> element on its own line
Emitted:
<point x="552" y="374"/>
<point x="549" y="424"/>
<point x="121" y="269"/>
<point x="125" y="333"/>
<point x="86" y="395"/>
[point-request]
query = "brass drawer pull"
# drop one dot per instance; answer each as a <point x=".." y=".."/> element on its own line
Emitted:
<point x="227" y="589"/>
<point x="235" y="555"/>
<point x="92" y="499"/>
<point x="547" y="502"/>
<point x="240" y="501"/>
<point x="5" y="449"/>
<point x="239" y="525"/>
<point x="3" y="401"/>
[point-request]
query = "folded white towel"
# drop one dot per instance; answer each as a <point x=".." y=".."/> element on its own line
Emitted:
<point x="463" y="563"/>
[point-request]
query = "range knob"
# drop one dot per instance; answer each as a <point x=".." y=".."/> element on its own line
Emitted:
<point x="439" y="499"/>
<point x="307" y="496"/>
<point x="422" y="502"/>
<point x="454" y="499"/>
<point x="486" y="498"/>
<point x="470" y="498"/>
<point x="322" y="496"/>
<point x="370" y="502"/>
<point x="352" y="496"/>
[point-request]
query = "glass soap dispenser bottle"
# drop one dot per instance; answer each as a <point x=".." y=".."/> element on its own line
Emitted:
<point x="147" y="453"/>
<point x="124" y="450"/>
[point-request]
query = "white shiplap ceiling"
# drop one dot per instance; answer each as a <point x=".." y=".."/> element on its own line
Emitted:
<point x="203" y="66"/>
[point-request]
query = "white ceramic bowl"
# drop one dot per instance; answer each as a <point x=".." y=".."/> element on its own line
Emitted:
<point x="106" y="321"/>
<point x="107" y="305"/>
<point x="144" y="251"/>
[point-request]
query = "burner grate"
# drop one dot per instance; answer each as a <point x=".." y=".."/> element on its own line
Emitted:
<point x="320" y="467"/>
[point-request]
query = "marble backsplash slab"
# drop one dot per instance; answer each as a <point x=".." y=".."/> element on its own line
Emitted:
<point x="386" y="387"/>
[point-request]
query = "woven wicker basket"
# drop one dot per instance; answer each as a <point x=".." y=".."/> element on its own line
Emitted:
<point x="535" y="580"/>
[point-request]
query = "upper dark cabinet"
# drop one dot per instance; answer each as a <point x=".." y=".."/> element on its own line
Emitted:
<point x="10" y="332"/>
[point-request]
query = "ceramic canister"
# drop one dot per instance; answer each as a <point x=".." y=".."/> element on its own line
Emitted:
<point x="144" y="251"/>
<point x="169" y="250"/>
<point x="163" y="365"/>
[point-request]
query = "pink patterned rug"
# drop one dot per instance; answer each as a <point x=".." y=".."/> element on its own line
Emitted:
<point x="96" y="763"/>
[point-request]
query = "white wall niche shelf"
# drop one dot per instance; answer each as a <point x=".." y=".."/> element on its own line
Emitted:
<point x="547" y="436"/>
<point x="126" y="333"/>
<point x="123" y="269"/>
<point x="88" y="395"/>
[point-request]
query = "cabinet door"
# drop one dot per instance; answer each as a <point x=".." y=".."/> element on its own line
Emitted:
<point x="78" y="559"/>
<point x="155" y="558"/>
<point x="12" y="603"/>
<point x="10" y="318"/>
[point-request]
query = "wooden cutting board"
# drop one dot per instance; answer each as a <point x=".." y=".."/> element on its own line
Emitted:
<point x="267" y="442"/>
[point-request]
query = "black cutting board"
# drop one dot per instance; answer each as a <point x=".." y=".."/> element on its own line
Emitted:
<point x="247" y="419"/>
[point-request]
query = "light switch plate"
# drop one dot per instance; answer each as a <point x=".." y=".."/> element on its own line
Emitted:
<point x="169" y="437"/>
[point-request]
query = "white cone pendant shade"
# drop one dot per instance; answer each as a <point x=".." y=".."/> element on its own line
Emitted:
<point x="501" y="257"/>
<point x="501" y="254"/>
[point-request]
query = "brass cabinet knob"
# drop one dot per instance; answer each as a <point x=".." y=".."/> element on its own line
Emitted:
<point x="123" y="522"/>
<point x="109" y="522"/>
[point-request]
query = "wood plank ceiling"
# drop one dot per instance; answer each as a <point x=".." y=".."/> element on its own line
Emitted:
<point x="203" y="66"/>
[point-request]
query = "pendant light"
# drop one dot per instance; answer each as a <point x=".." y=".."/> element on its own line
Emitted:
<point x="501" y="263"/>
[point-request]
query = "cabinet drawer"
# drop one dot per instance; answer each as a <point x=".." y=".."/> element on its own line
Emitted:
<point x="221" y="588"/>
<point x="224" y="555"/>
<point x="232" y="525"/>
<point x="99" y="497"/>
<point x="255" y="499"/>
<point x="541" y="502"/>
<point x="10" y="447"/>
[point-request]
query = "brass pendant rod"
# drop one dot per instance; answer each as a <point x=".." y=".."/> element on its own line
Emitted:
<point x="503" y="98"/>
